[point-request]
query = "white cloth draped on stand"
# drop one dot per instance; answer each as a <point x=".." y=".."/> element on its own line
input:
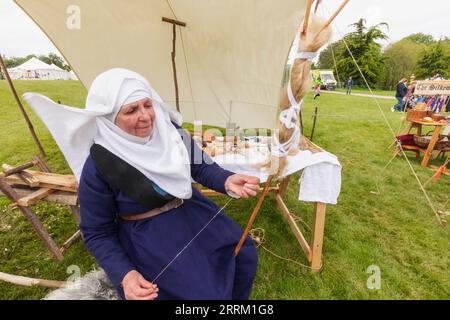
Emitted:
<point x="319" y="182"/>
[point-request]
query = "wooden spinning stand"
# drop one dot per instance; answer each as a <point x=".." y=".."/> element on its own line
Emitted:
<point x="26" y="188"/>
<point x="312" y="250"/>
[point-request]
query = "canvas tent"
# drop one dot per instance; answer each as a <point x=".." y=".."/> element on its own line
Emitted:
<point x="60" y="74"/>
<point x="230" y="56"/>
<point x="35" y="69"/>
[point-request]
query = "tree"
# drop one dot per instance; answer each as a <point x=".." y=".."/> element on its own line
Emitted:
<point x="420" y="38"/>
<point x="400" y="61"/>
<point x="55" y="59"/>
<point x="365" y="50"/>
<point x="435" y="59"/>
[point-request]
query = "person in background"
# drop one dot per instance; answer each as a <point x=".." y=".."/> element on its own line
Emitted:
<point x="317" y="91"/>
<point x="349" y="85"/>
<point x="400" y="95"/>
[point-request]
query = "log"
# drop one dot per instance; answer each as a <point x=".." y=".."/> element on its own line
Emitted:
<point x="29" y="282"/>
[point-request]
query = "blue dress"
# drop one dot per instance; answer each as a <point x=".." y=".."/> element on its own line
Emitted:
<point x="207" y="269"/>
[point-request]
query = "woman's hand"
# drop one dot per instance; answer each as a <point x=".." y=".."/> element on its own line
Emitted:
<point x="136" y="287"/>
<point x="242" y="186"/>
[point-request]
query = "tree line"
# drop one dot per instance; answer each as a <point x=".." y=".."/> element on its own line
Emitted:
<point x="419" y="54"/>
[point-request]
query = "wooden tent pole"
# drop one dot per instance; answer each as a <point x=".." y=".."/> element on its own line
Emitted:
<point x="22" y="109"/>
<point x="175" y="23"/>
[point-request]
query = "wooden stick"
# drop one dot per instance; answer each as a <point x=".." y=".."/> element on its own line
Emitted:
<point x="253" y="216"/>
<point x="76" y="236"/>
<point x="307" y="15"/>
<point x="317" y="236"/>
<point x="178" y="23"/>
<point x="318" y="2"/>
<point x="34" y="220"/>
<point x="61" y="197"/>
<point x="41" y="164"/>
<point x="29" y="282"/>
<point x="314" y="125"/>
<point x="327" y="24"/>
<point x="34" y="197"/>
<point x="27" y="178"/>
<point x="175" y="23"/>
<point x="22" y="109"/>
<point x="19" y="168"/>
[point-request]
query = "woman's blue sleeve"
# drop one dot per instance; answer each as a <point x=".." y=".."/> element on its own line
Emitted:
<point x="99" y="225"/>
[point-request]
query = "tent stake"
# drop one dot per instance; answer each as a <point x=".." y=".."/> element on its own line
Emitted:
<point x="19" y="103"/>
<point x="314" y="124"/>
<point x="175" y="23"/>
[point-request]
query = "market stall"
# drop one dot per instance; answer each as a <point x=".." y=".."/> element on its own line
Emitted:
<point x="428" y="120"/>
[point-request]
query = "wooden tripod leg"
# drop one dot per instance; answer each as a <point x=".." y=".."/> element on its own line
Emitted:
<point x="34" y="220"/>
<point x="253" y="216"/>
<point x="317" y="236"/>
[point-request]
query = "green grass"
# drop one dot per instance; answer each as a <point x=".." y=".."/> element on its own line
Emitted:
<point x="395" y="229"/>
<point x="366" y="91"/>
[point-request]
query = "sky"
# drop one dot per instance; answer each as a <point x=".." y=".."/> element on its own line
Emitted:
<point x="19" y="36"/>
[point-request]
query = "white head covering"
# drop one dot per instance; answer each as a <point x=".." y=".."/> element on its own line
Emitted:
<point x="162" y="157"/>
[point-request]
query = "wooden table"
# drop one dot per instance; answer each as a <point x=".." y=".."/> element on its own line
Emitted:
<point x="418" y="124"/>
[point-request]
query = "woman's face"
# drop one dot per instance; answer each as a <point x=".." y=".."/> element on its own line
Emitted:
<point x="137" y="118"/>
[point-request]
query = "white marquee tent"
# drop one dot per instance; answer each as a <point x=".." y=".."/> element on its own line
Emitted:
<point x="35" y="69"/>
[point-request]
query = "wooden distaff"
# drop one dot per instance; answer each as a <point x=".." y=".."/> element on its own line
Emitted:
<point x="313" y="36"/>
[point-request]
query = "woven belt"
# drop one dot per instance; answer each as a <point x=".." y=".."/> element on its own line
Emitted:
<point x="175" y="203"/>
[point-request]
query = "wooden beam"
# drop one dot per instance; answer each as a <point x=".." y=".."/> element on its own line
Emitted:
<point x="34" y="197"/>
<point x="317" y="235"/>
<point x="14" y="180"/>
<point x="24" y="177"/>
<point x="13" y="170"/>
<point x="297" y="233"/>
<point x="178" y="23"/>
<point x="47" y="180"/>
<point x="34" y="220"/>
<point x="61" y="197"/>
<point x="175" y="23"/>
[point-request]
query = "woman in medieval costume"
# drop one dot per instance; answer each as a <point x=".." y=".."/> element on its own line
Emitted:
<point x="153" y="233"/>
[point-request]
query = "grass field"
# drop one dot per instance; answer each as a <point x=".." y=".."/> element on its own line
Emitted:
<point x="394" y="229"/>
<point x="366" y="91"/>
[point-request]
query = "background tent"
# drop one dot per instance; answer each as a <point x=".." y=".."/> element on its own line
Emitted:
<point x="59" y="74"/>
<point x="35" y="69"/>
<point x="32" y="69"/>
<point x="230" y="56"/>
